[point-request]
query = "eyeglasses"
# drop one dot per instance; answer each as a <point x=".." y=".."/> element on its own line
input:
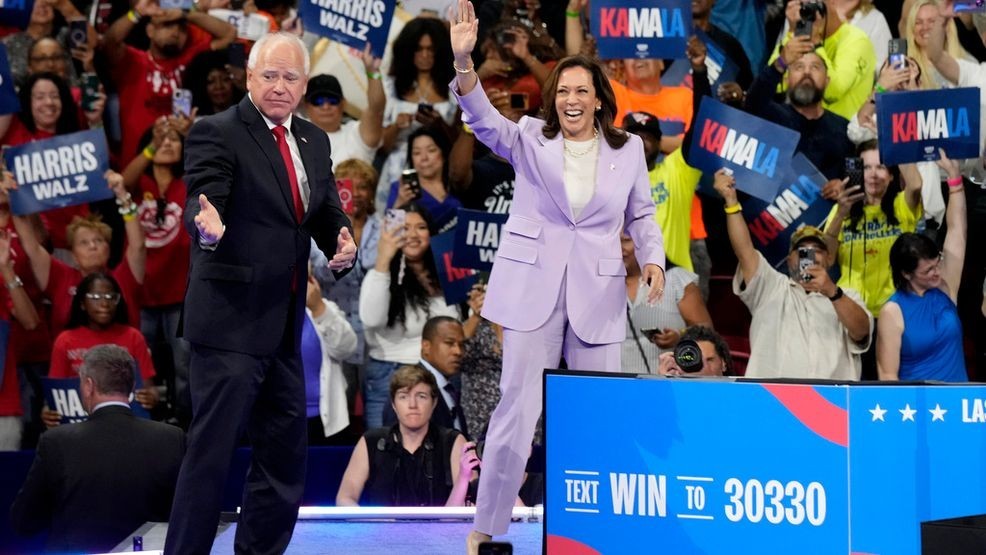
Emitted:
<point x="930" y="269"/>
<point x="111" y="298"/>
<point x="320" y="100"/>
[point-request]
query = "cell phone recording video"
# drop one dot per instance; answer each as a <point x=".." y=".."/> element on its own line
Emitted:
<point x="897" y="54"/>
<point x="519" y="101"/>
<point x="90" y="91"/>
<point x="181" y="103"/>
<point x="393" y="221"/>
<point x="410" y="177"/>
<point x="78" y="33"/>
<point x="806" y="259"/>
<point x="854" y="171"/>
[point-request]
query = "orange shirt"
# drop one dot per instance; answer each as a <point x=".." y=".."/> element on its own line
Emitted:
<point x="671" y="104"/>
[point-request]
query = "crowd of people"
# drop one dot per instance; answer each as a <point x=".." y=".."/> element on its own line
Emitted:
<point x="886" y="287"/>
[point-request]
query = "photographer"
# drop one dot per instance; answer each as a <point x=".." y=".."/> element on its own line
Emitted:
<point x="803" y="326"/>
<point x="700" y="352"/>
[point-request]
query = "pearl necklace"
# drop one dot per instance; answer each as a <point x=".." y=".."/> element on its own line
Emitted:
<point x="592" y="145"/>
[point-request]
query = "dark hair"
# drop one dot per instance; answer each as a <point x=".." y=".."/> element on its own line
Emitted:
<point x="402" y="67"/>
<point x="410" y="291"/>
<point x="443" y="144"/>
<point x="542" y="47"/>
<point x="68" y="120"/>
<point x="197" y="79"/>
<point x="111" y="368"/>
<point x="177" y="168"/>
<point x="431" y="326"/>
<point x="702" y="333"/>
<point x="907" y="251"/>
<point x="77" y="315"/>
<point x="886" y="202"/>
<point x="606" y="115"/>
<point x="410" y="375"/>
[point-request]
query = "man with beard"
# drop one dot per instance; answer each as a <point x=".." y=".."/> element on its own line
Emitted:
<point x="147" y="80"/>
<point x="823" y="133"/>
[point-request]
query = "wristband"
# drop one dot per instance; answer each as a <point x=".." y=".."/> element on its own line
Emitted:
<point x="780" y="64"/>
<point x="838" y="294"/>
<point x="133" y="16"/>
<point x="734" y="209"/>
<point x="570" y="13"/>
<point x="954" y="181"/>
<point x="879" y="88"/>
<point x="461" y="70"/>
<point x="130" y="216"/>
<point x="128" y="210"/>
<point x="466" y="129"/>
<point x="373" y="75"/>
<point x="11" y="285"/>
<point x="149" y="152"/>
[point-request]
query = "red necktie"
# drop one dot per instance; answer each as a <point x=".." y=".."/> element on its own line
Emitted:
<point x="282" y="145"/>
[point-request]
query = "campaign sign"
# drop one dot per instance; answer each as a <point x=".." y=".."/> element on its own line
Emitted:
<point x="61" y="171"/>
<point x="719" y="67"/>
<point x="759" y="152"/>
<point x="811" y="469"/>
<point x="914" y="125"/>
<point x="642" y="28"/>
<point x="456" y="282"/>
<point x="799" y="202"/>
<point x="9" y="104"/>
<point x="351" y="23"/>
<point x="250" y="27"/>
<point x="4" y="340"/>
<point x="62" y="396"/>
<point x="175" y="4"/>
<point x="477" y="236"/>
<point x="16" y="13"/>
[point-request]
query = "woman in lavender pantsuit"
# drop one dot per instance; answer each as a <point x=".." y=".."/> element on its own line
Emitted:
<point x="557" y="285"/>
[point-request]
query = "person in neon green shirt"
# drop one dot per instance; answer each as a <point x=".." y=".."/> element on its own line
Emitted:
<point x="847" y="52"/>
<point x="672" y="186"/>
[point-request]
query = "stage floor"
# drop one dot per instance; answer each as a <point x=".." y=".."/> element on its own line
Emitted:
<point x="365" y="538"/>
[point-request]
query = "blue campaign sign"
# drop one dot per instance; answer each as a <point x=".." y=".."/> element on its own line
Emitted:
<point x="4" y="340"/>
<point x="61" y="171"/>
<point x="351" y="23"/>
<point x="9" y="104"/>
<point x="914" y="125"/>
<point x="641" y="28"/>
<point x="456" y="282"/>
<point x="477" y="236"/>
<point x="759" y="152"/>
<point x="721" y="69"/>
<point x="16" y="13"/>
<point x="62" y="396"/>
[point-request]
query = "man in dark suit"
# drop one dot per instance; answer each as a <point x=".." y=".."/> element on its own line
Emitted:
<point x="93" y="483"/>
<point x="260" y="188"/>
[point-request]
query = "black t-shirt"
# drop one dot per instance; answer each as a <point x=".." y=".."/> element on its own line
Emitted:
<point x="492" y="187"/>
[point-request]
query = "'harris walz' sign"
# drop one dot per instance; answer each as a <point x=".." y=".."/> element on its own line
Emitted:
<point x="351" y="23"/>
<point x="477" y="237"/>
<point x="914" y="125"/>
<point x="641" y="28"/>
<point x="61" y="171"/>
<point x="759" y="152"/>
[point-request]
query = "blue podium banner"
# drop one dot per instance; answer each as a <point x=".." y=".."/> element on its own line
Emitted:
<point x="455" y="281"/>
<point x="719" y="67"/>
<point x="16" y="13"/>
<point x="477" y="237"/>
<point x="913" y="125"/>
<point x="65" y="170"/>
<point x="351" y="23"/>
<point x="9" y="103"/>
<point x="759" y="152"/>
<point x="705" y="466"/>
<point x="641" y="28"/>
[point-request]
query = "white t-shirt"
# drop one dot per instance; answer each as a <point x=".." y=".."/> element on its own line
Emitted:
<point x="347" y="143"/>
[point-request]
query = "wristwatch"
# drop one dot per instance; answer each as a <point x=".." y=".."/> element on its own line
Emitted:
<point x="11" y="285"/>
<point x="838" y="294"/>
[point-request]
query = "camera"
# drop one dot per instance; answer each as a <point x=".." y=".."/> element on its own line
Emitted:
<point x="688" y="356"/>
<point x="506" y="37"/>
<point x="811" y="9"/>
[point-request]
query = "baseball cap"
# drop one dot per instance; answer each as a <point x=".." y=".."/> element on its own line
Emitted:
<point x="642" y="122"/>
<point x="805" y="233"/>
<point x="323" y="85"/>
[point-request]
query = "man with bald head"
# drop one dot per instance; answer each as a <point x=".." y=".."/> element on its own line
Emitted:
<point x="260" y="188"/>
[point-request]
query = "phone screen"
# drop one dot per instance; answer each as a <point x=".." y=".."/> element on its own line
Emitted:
<point x="806" y="258"/>
<point x="898" y="53"/>
<point x="181" y="102"/>
<point x="394" y="219"/>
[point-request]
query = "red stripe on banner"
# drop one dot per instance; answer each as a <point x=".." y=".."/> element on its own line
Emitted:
<point x="817" y="413"/>
<point x="560" y="545"/>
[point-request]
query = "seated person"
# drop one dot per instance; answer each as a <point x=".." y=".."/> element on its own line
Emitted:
<point x="716" y="360"/>
<point x="411" y="463"/>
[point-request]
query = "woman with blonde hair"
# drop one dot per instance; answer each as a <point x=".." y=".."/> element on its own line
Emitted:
<point x="921" y="17"/>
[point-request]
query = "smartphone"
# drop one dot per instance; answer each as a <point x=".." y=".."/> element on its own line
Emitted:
<point x="854" y="171"/>
<point x="393" y="220"/>
<point x="519" y="101"/>
<point x="966" y="6"/>
<point x="90" y="90"/>
<point x="898" y="53"/>
<point x="496" y="548"/>
<point x="425" y="108"/>
<point x="237" y="54"/>
<point x="506" y="37"/>
<point x="345" y="189"/>
<point x="648" y="333"/>
<point x="803" y="28"/>
<point x="806" y="259"/>
<point x="181" y="102"/>
<point x="410" y="176"/>
<point x="78" y="33"/>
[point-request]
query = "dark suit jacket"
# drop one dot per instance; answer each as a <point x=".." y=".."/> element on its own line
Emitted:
<point x="238" y="297"/>
<point x="95" y="482"/>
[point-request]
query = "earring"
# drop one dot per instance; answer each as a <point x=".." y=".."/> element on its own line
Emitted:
<point x="599" y="108"/>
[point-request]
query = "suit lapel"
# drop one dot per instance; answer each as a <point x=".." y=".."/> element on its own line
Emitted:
<point x="553" y="172"/>
<point x="268" y="144"/>
<point x="306" y="147"/>
<point x="608" y="171"/>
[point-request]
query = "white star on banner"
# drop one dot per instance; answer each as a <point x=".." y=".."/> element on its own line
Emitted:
<point x="937" y="413"/>
<point x="907" y="413"/>
<point x="878" y="413"/>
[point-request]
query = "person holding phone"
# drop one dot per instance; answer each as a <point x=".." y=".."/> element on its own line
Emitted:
<point x="804" y="325"/>
<point x="518" y="61"/>
<point x="427" y="181"/>
<point x="581" y="182"/>
<point x="210" y="78"/>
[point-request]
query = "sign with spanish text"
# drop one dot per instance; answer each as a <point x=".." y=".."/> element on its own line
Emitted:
<point x="351" y="23"/>
<point x="641" y="28"/>
<point x="718" y="66"/>
<point x="477" y="236"/>
<point x="455" y="281"/>
<point x="9" y="103"/>
<point x="913" y="125"/>
<point x="65" y="170"/>
<point x="757" y="151"/>
<point x="16" y="13"/>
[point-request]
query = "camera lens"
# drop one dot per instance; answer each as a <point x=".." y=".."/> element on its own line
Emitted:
<point x="688" y="356"/>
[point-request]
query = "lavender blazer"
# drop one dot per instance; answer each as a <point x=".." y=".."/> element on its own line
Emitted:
<point x="542" y="242"/>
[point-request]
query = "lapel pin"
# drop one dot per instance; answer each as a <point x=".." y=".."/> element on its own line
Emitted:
<point x="304" y="140"/>
<point x="612" y="166"/>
